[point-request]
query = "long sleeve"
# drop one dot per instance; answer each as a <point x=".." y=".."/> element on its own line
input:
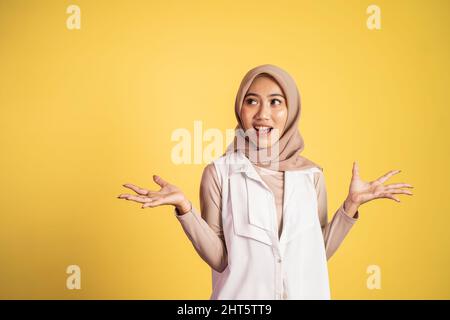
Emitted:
<point x="204" y="229"/>
<point x="334" y="231"/>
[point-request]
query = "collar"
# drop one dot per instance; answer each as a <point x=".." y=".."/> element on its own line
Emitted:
<point x="239" y="163"/>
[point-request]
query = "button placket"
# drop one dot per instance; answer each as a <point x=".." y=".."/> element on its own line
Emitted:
<point x="276" y="247"/>
<point x="278" y="274"/>
<point x="281" y="277"/>
<point x="285" y="296"/>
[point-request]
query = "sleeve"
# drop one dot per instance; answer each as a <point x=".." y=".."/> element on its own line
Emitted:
<point x="204" y="228"/>
<point x="336" y="230"/>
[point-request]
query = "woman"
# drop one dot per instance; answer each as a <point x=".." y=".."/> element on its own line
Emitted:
<point x="263" y="225"/>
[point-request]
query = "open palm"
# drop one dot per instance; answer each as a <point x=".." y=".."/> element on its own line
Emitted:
<point x="361" y="191"/>
<point x="167" y="195"/>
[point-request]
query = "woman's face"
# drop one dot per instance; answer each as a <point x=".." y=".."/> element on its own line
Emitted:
<point x="264" y="111"/>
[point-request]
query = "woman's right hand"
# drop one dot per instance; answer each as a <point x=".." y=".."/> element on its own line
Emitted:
<point x="167" y="195"/>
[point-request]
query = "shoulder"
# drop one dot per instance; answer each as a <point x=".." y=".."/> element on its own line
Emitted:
<point x="219" y="167"/>
<point x="210" y="179"/>
<point x="319" y="178"/>
<point x="209" y="171"/>
<point x="217" y="170"/>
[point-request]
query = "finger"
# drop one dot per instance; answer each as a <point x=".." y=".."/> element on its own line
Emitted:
<point x="139" y="199"/>
<point x="398" y="191"/>
<point x="160" y="181"/>
<point x="126" y="195"/>
<point x="383" y="178"/>
<point x="389" y="196"/>
<point x="136" y="189"/>
<point x="355" y="170"/>
<point x="152" y="204"/>
<point x="123" y="196"/>
<point x="399" y="185"/>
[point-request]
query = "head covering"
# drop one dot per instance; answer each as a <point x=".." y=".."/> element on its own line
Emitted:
<point x="290" y="143"/>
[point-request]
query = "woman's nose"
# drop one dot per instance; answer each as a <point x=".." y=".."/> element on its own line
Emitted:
<point x="263" y="112"/>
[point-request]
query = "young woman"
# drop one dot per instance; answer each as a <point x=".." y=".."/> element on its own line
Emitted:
<point x="262" y="225"/>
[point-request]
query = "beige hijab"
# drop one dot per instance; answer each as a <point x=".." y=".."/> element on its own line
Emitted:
<point x="290" y="143"/>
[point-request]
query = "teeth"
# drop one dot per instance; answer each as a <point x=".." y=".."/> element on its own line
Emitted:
<point x="262" y="129"/>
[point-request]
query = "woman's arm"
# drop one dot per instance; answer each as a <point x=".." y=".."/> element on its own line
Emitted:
<point x="360" y="192"/>
<point x="336" y="230"/>
<point x="204" y="229"/>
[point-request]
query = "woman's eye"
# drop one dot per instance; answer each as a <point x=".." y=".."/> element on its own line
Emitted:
<point x="279" y="101"/>
<point x="249" y="101"/>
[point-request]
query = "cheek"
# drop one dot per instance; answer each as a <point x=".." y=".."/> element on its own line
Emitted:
<point x="246" y="117"/>
<point x="279" y="117"/>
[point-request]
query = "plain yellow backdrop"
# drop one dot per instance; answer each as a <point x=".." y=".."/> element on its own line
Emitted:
<point x="84" y="111"/>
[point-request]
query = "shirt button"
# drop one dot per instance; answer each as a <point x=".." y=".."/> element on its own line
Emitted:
<point x="279" y="260"/>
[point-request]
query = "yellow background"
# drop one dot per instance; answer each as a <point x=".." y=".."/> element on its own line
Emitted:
<point x="84" y="111"/>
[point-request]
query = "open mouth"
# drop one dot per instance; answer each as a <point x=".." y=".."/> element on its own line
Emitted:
<point x="262" y="130"/>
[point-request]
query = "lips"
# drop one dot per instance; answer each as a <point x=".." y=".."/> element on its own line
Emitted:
<point x="262" y="130"/>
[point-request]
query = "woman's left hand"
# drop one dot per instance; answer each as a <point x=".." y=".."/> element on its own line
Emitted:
<point x="361" y="191"/>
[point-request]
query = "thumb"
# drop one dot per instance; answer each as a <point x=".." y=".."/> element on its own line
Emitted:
<point x="355" y="171"/>
<point x="160" y="180"/>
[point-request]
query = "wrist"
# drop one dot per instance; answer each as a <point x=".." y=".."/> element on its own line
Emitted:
<point x="184" y="207"/>
<point x="350" y="207"/>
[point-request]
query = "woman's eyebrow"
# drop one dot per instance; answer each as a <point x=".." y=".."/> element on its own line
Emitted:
<point x="270" y="95"/>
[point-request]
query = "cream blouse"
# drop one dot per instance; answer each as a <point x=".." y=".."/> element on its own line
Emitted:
<point x="205" y="232"/>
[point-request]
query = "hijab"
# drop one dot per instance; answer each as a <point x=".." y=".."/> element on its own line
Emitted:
<point x="286" y="155"/>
